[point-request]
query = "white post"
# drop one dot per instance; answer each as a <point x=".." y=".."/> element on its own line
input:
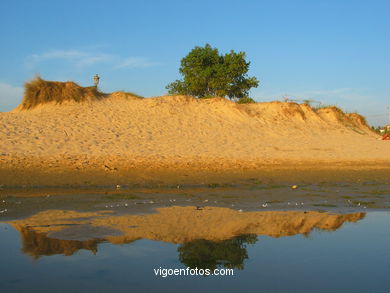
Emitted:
<point x="96" y="80"/>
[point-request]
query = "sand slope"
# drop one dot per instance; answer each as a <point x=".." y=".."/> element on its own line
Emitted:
<point x="122" y="132"/>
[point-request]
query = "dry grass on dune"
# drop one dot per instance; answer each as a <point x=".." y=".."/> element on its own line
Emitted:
<point x="359" y="118"/>
<point x="345" y="118"/>
<point x="342" y="114"/>
<point x="39" y="91"/>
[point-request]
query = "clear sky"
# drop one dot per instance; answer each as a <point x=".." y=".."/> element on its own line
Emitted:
<point x="334" y="51"/>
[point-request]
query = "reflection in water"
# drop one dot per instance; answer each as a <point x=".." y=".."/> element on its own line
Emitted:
<point x="285" y="264"/>
<point x="38" y="244"/>
<point x="209" y="237"/>
<point x="205" y="254"/>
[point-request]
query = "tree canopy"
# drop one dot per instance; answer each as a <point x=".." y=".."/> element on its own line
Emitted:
<point x="206" y="73"/>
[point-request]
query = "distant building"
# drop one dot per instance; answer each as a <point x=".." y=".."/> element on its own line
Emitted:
<point x="384" y="129"/>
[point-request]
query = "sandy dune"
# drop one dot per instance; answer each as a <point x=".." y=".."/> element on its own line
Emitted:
<point x="122" y="134"/>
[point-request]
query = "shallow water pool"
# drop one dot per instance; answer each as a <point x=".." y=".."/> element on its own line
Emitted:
<point x="289" y="252"/>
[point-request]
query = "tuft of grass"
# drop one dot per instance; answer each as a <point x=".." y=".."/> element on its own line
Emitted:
<point x="327" y="106"/>
<point x="39" y="91"/>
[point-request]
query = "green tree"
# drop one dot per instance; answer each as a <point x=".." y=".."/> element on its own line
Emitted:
<point x="206" y="73"/>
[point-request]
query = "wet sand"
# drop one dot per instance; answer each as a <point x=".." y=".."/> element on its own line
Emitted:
<point x="254" y="195"/>
<point x="149" y="175"/>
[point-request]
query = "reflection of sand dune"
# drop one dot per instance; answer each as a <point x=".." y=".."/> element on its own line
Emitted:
<point x="173" y="224"/>
<point x="37" y="244"/>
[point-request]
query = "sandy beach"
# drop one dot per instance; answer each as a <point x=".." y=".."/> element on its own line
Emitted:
<point x="122" y="139"/>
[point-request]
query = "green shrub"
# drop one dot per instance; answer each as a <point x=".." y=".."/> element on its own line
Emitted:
<point x="246" y="100"/>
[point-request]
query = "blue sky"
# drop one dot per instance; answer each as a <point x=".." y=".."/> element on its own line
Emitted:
<point x="337" y="52"/>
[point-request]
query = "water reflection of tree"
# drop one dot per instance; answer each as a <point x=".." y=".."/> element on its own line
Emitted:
<point x="207" y="254"/>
